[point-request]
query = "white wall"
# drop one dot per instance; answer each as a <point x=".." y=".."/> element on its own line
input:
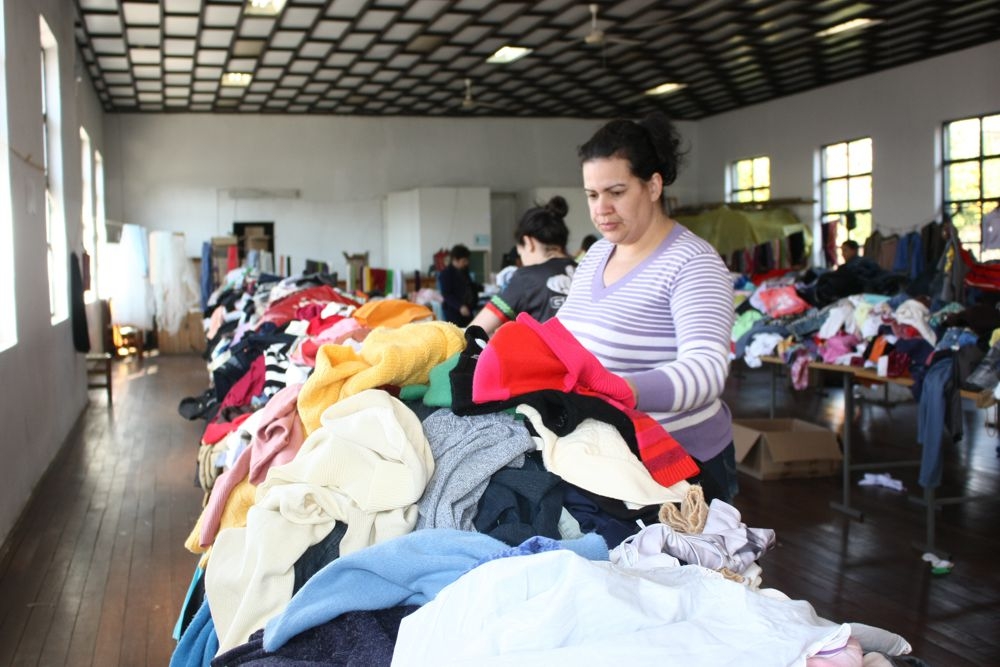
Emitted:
<point x="420" y="222"/>
<point x="44" y="378"/>
<point x="902" y="109"/>
<point x="402" y="224"/>
<point x="504" y="211"/>
<point x="178" y="172"/>
<point x="449" y="216"/>
<point x="175" y="172"/>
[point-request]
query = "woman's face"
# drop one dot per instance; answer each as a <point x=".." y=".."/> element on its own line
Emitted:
<point x="622" y="206"/>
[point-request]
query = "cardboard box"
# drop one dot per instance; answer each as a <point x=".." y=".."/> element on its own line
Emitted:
<point x="782" y="448"/>
<point x="220" y="256"/>
<point x="189" y="339"/>
<point x="256" y="243"/>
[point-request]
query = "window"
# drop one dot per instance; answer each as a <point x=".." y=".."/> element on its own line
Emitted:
<point x="846" y="189"/>
<point x="102" y="266"/>
<point x="972" y="178"/>
<point x="750" y="180"/>
<point x="55" y="226"/>
<point x="8" y="305"/>
<point x="89" y="230"/>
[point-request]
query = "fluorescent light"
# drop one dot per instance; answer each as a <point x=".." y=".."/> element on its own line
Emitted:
<point x="264" y="7"/>
<point x="853" y="24"/>
<point x="237" y="79"/>
<point x="664" y="88"/>
<point x="508" y="54"/>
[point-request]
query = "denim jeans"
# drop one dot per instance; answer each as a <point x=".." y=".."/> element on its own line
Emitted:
<point x="956" y="337"/>
<point x="810" y="322"/>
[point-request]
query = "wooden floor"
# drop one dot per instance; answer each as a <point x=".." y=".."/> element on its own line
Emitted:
<point x="95" y="572"/>
<point x="868" y="571"/>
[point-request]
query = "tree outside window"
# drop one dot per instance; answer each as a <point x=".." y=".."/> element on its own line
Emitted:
<point x="55" y="222"/>
<point x="89" y="230"/>
<point x="972" y="178"/>
<point x="846" y="189"/>
<point x="751" y="180"/>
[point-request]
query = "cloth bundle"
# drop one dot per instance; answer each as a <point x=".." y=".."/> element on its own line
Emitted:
<point x="526" y="355"/>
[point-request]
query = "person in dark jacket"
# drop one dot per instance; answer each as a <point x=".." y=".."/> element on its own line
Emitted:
<point x="856" y="275"/>
<point x="459" y="293"/>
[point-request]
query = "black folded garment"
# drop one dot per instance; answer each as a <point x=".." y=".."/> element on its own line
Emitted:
<point x="199" y="407"/>
<point x="985" y="372"/>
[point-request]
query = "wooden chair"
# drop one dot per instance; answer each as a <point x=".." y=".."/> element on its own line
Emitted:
<point x="128" y="341"/>
<point x="99" y="360"/>
<point x="99" y="372"/>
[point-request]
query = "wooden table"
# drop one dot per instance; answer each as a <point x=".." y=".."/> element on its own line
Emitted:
<point x="929" y="499"/>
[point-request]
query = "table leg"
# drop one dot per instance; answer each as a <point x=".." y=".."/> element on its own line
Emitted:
<point x="845" y="504"/>
<point x="931" y="504"/>
<point x="774" y="389"/>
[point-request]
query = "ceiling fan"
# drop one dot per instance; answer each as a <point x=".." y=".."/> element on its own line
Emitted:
<point x="469" y="103"/>
<point x="597" y="37"/>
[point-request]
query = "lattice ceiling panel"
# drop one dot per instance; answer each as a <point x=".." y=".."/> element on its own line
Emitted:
<point x="428" y="57"/>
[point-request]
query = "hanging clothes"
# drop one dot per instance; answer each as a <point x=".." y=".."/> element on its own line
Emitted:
<point x="887" y="251"/>
<point x="909" y="259"/>
<point x="131" y="293"/>
<point x="991" y="230"/>
<point x="939" y="411"/>
<point x="952" y="270"/>
<point x="797" y="249"/>
<point x="171" y="275"/>
<point x="873" y="245"/>
<point x="78" y="311"/>
<point x="933" y="240"/>
<point x="828" y="233"/>
<point x="206" y="282"/>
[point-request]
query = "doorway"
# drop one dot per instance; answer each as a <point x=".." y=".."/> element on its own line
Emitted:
<point x="503" y="221"/>
<point x="253" y="236"/>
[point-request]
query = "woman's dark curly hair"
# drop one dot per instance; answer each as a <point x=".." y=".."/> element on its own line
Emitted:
<point x="651" y="146"/>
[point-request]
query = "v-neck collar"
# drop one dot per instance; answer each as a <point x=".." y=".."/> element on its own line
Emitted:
<point x="600" y="290"/>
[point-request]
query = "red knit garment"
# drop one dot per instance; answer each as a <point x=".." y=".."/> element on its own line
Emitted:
<point x="526" y="364"/>
<point x="526" y="355"/>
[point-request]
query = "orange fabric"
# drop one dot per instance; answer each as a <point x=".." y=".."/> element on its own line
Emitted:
<point x="878" y="348"/>
<point x="391" y="313"/>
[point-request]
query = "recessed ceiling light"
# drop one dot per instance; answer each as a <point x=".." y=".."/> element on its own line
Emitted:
<point x="264" y="7"/>
<point x="237" y="79"/>
<point x="853" y="24"/>
<point x="665" y="88"/>
<point x="508" y="54"/>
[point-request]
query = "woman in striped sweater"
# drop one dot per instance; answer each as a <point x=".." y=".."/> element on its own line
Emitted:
<point x="653" y="301"/>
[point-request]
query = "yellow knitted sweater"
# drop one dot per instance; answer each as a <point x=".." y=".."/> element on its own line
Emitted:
<point x="389" y="356"/>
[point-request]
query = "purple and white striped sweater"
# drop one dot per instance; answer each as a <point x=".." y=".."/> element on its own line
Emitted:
<point x="665" y="326"/>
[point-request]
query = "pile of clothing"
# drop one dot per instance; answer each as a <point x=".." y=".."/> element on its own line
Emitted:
<point x="944" y="349"/>
<point x="389" y="488"/>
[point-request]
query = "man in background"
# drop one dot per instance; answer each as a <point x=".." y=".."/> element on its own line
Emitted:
<point x="459" y="293"/>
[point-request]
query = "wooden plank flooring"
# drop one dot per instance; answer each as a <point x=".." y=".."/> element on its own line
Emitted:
<point x="868" y="571"/>
<point x="95" y="571"/>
